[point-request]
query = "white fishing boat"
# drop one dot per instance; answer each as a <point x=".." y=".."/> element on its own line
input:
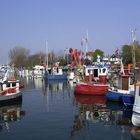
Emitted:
<point x="10" y="89"/>
<point x="38" y="71"/>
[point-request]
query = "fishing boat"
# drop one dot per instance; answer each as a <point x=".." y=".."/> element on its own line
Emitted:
<point x="94" y="81"/>
<point x="90" y="89"/>
<point x="120" y="94"/>
<point x="10" y="87"/>
<point x="38" y="71"/>
<point x="55" y="73"/>
<point x="129" y="99"/>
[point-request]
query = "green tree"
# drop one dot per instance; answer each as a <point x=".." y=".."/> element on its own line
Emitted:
<point x="96" y="53"/>
<point x="127" y="53"/>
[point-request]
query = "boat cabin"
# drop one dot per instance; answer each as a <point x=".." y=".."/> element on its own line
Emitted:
<point x="8" y="79"/>
<point x="38" y="71"/>
<point x="55" y="70"/>
<point x="96" y="72"/>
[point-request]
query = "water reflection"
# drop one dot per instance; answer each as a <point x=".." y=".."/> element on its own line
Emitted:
<point x="96" y="110"/>
<point x="135" y="133"/>
<point x="56" y="86"/>
<point x="38" y="83"/>
<point x="10" y="113"/>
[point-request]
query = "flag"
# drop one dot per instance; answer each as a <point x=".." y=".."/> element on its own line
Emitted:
<point x="117" y="52"/>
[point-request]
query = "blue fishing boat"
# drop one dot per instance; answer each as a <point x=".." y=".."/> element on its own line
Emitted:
<point x="116" y="95"/>
<point x="56" y="73"/>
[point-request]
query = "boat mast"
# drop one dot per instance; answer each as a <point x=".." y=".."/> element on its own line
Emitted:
<point x="133" y="51"/>
<point x="46" y="54"/>
<point x="86" y="41"/>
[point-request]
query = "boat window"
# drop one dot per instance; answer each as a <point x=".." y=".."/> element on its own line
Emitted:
<point x="57" y="69"/>
<point x="13" y="84"/>
<point x="104" y="70"/>
<point x="49" y="71"/>
<point x="8" y="85"/>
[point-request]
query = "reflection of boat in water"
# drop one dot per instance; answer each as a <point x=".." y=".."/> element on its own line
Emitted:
<point x="87" y="99"/>
<point x="9" y="114"/>
<point x="92" y="109"/>
<point x="135" y="133"/>
<point x="95" y="110"/>
<point x="57" y="85"/>
<point x="55" y="81"/>
<point x="38" y="82"/>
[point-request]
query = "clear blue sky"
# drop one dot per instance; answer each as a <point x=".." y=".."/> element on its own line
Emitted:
<point x="29" y="23"/>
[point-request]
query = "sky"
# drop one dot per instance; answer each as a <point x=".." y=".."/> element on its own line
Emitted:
<point x="63" y="23"/>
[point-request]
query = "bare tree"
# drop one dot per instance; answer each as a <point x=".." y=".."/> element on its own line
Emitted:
<point x="36" y="59"/>
<point x="19" y="56"/>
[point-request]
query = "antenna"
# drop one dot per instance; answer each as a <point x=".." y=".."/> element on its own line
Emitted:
<point x="86" y="39"/>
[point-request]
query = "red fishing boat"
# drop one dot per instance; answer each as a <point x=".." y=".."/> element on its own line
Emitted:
<point x="90" y="89"/>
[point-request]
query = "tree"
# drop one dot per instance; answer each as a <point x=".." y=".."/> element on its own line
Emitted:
<point x="96" y="53"/>
<point x="19" y="56"/>
<point x="36" y="59"/>
<point x="51" y="58"/>
<point x="127" y="53"/>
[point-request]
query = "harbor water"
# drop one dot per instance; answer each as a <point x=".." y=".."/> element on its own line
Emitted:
<point x="51" y="111"/>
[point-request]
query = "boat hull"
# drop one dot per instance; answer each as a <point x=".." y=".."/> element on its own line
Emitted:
<point x="136" y="119"/>
<point x="128" y="100"/>
<point x="114" y="95"/>
<point x="117" y="95"/>
<point x="56" y="77"/>
<point x="10" y="99"/>
<point x="90" y="89"/>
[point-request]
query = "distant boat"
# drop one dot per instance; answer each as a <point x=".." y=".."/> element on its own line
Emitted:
<point x="38" y="71"/>
<point x="55" y="73"/>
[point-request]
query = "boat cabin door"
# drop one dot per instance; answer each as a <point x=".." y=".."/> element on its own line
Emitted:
<point x="95" y="73"/>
